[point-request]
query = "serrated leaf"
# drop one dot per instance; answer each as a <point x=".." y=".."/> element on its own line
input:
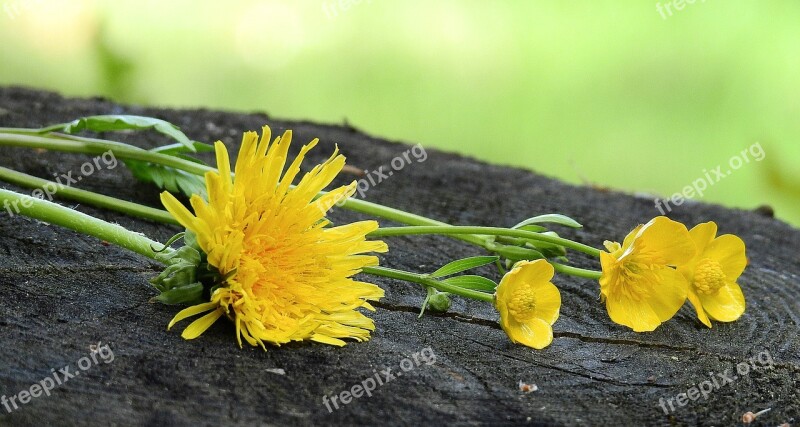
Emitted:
<point x="469" y="281"/>
<point x="117" y="122"/>
<point x="460" y="265"/>
<point x="168" y="178"/>
<point x="550" y="218"/>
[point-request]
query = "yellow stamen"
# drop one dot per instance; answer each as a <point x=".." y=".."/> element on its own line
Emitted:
<point x="708" y="276"/>
<point x="522" y="305"/>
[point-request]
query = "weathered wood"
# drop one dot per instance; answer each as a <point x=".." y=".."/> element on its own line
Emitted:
<point x="63" y="292"/>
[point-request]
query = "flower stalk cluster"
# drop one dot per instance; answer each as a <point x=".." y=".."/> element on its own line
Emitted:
<point x="258" y="250"/>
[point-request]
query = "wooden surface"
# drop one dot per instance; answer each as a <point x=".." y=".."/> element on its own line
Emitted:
<point x="63" y="292"/>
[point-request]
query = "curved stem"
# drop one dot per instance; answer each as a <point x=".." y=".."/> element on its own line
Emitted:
<point x="486" y="231"/>
<point x="52" y="213"/>
<point x="426" y="281"/>
<point x="51" y="188"/>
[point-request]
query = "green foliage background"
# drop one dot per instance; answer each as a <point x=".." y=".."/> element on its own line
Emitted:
<point x="608" y="93"/>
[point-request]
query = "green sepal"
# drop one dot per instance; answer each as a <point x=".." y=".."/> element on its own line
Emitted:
<point x="439" y="302"/>
<point x="186" y="294"/>
<point x="190" y="240"/>
<point x="178" y="283"/>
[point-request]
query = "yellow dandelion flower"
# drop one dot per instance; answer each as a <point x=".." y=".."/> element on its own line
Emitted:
<point x="528" y="303"/>
<point x="639" y="284"/>
<point x="713" y="273"/>
<point x="287" y="275"/>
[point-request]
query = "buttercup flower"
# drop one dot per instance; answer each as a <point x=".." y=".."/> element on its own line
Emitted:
<point x="528" y="303"/>
<point x="638" y="283"/>
<point x="286" y="275"/>
<point x="712" y="274"/>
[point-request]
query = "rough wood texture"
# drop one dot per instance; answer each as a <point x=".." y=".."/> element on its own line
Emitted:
<point x="63" y="292"/>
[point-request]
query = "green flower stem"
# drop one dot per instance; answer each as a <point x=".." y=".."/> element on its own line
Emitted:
<point x="53" y="213"/>
<point x="575" y="271"/>
<point x="88" y="197"/>
<point x="486" y="231"/>
<point x="392" y="214"/>
<point x="74" y="144"/>
<point x="424" y="280"/>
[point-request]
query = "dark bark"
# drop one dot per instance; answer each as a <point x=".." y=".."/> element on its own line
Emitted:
<point x="63" y="292"/>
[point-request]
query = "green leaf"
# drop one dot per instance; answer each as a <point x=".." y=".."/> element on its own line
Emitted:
<point x="106" y="123"/>
<point x="463" y="264"/>
<point x="551" y="218"/>
<point x="179" y="149"/>
<point x="168" y="178"/>
<point x="533" y="228"/>
<point x="469" y="281"/>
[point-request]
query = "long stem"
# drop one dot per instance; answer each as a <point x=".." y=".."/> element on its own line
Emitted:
<point x="52" y="213"/>
<point x="426" y="281"/>
<point x="75" y="144"/>
<point x="486" y="231"/>
<point x="50" y="188"/>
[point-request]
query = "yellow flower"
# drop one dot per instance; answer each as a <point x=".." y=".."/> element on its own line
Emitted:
<point x="287" y="275"/>
<point x="638" y="283"/>
<point x="528" y="303"/>
<point x="713" y="273"/>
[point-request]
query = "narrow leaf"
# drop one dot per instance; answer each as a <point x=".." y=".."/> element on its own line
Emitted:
<point x="469" y="281"/>
<point x="462" y="265"/>
<point x="551" y="218"/>
<point x="533" y="228"/>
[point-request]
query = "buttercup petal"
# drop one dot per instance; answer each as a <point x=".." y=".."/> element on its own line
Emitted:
<point x="729" y="251"/>
<point x="726" y="305"/>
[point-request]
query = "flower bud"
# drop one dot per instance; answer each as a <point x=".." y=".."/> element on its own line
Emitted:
<point x="439" y="302"/>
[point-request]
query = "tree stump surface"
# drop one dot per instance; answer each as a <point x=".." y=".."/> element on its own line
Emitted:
<point x="63" y="292"/>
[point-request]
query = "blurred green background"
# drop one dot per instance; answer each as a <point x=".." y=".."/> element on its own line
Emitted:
<point x="642" y="96"/>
